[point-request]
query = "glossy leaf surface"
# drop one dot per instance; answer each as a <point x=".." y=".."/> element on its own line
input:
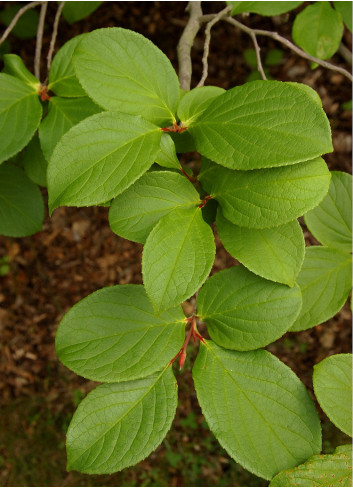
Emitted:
<point x="332" y="381"/>
<point x="13" y="65"/>
<point x="122" y="70"/>
<point x="262" y="124"/>
<point x="21" y="203"/>
<point x="136" y="211"/>
<point x="257" y="408"/>
<point x="245" y="312"/>
<point x="167" y="154"/>
<point x="118" y="425"/>
<point x="276" y="254"/>
<point x="325" y="281"/>
<point x="331" y="221"/>
<point x="331" y="470"/>
<point x="266" y="198"/>
<point x="113" y="335"/>
<point x="99" y="158"/>
<point x="177" y="257"/>
<point x="18" y="103"/>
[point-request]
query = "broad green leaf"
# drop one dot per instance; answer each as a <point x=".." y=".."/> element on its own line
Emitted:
<point x="331" y="221"/>
<point x="325" y="281"/>
<point x="136" y="211"/>
<point x="262" y="124"/>
<point x="276" y="254"/>
<point x="332" y="381"/>
<point x="63" y="113"/>
<point x="257" y="408"/>
<point x="318" y="30"/>
<point x="274" y="57"/>
<point x="345" y="8"/>
<point x="332" y="470"/>
<point x="26" y="26"/>
<point x="263" y="8"/>
<point x="177" y="257"/>
<point x="195" y="102"/>
<point x="118" y="425"/>
<point x="268" y="197"/>
<point x="62" y="78"/>
<point x="34" y="163"/>
<point x="13" y="65"/>
<point x="74" y="11"/>
<point x="99" y="158"/>
<point x="21" y="203"/>
<point x="20" y="114"/>
<point x="245" y="312"/>
<point x="113" y="335"/>
<point x="309" y="91"/>
<point x="122" y="70"/>
<point x="167" y="154"/>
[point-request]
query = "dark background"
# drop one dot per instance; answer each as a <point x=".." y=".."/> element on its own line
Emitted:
<point x="76" y="253"/>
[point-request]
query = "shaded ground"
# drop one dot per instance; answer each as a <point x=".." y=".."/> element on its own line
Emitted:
<point x="76" y="253"/>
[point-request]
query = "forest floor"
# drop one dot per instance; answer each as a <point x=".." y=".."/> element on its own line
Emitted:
<point x="76" y="253"/>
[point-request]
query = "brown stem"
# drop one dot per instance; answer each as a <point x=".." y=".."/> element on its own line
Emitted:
<point x="191" y="333"/>
<point x="39" y="41"/>
<point x="15" y="19"/>
<point x="206" y="48"/>
<point x="288" y="44"/>
<point x="54" y="35"/>
<point x="258" y="56"/>
<point x="345" y="53"/>
<point x="186" y="42"/>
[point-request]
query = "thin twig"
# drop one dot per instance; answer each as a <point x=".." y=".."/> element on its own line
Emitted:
<point x="54" y="35"/>
<point x="258" y="56"/>
<point x="186" y="42"/>
<point x="206" y="48"/>
<point x="288" y="44"/>
<point x="15" y="19"/>
<point x="345" y="53"/>
<point x="39" y="41"/>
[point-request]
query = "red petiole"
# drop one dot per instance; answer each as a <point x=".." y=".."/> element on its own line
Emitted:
<point x="191" y="333"/>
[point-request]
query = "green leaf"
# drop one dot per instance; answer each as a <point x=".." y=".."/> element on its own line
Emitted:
<point x="63" y="113"/>
<point x="331" y="221"/>
<point x="177" y="257"/>
<point x="262" y="124"/>
<point x="99" y="158"/>
<point x="274" y="57"/>
<point x="345" y="8"/>
<point x="26" y="26"/>
<point x="113" y="335"/>
<point x="332" y="381"/>
<point x="21" y="203"/>
<point x="325" y="281"/>
<point x="20" y="114"/>
<point x="34" y="163"/>
<point x="318" y="30"/>
<point x="62" y="78"/>
<point x="118" y="425"/>
<point x="276" y="254"/>
<point x="250" y="58"/>
<point x="74" y="11"/>
<point x="136" y="211"/>
<point x="269" y="197"/>
<point x="195" y="102"/>
<point x="245" y="312"/>
<point x="167" y="155"/>
<point x="263" y="8"/>
<point x="13" y="65"/>
<point x="122" y="70"/>
<point x="333" y="470"/>
<point x="257" y="408"/>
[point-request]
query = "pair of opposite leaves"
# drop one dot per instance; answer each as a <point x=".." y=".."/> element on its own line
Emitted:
<point x="259" y="125"/>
